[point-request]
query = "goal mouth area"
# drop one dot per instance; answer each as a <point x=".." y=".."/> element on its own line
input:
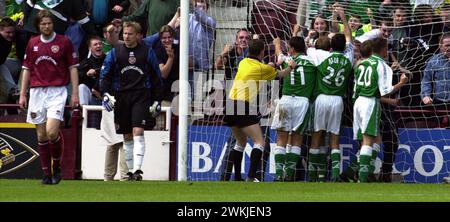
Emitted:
<point x="428" y="117"/>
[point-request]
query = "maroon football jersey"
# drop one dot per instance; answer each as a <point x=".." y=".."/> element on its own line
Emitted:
<point x="49" y="61"/>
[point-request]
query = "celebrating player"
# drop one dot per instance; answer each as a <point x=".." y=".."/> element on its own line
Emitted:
<point x="292" y="109"/>
<point x="373" y="80"/>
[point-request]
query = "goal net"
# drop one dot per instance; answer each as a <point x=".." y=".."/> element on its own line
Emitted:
<point x="416" y="141"/>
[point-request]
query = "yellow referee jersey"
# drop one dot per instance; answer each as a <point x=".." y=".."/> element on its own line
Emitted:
<point x="246" y="83"/>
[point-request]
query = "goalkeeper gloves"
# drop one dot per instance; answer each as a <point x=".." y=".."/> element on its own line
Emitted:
<point x="108" y="102"/>
<point x="155" y="109"/>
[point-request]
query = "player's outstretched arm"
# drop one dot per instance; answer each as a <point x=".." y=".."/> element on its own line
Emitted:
<point x="403" y="80"/>
<point x="278" y="51"/>
<point x="287" y="70"/>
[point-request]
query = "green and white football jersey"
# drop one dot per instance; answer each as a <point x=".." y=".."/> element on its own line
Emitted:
<point x="333" y="74"/>
<point x="301" y="81"/>
<point x="373" y="78"/>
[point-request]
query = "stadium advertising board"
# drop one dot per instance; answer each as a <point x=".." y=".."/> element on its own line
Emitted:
<point x="17" y="154"/>
<point x="423" y="155"/>
<point x="19" y="158"/>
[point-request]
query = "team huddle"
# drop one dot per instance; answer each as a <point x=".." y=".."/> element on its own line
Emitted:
<point x="315" y="80"/>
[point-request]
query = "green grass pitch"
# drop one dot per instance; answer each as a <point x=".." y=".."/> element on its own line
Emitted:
<point x="99" y="191"/>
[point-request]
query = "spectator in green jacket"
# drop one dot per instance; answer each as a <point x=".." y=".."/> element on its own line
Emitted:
<point x="157" y="13"/>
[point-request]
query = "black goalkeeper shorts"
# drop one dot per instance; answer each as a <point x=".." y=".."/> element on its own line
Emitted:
<point x="131" y="110"/>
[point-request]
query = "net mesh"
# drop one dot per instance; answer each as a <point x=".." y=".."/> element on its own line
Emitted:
<point x="415" y="139"/>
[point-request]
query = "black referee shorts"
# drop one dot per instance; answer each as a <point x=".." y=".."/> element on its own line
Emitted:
<point x="241" y="115"/>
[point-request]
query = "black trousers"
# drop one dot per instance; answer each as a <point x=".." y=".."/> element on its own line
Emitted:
<point x="389" y="135"/>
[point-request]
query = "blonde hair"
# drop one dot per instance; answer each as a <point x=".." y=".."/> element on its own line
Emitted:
<point x="134" y="25"/>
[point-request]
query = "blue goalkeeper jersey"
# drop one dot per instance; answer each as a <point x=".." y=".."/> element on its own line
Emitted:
<point x="127" y="69"/>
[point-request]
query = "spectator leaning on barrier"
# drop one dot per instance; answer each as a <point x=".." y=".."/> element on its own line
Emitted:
<point x="436" y="75"/>
<point x="8" y="87"/>
<point x="423" y="43"/>
<point x="89" y="71"/>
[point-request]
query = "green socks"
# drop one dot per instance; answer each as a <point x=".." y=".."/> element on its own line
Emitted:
<point x="280" y="159"/>
<point x="313" y="162"/>
<point x="375" y="151"/>
<point x="365" y="158"/>
<point x="335" y="164"/>
<point x="292" y="158"/>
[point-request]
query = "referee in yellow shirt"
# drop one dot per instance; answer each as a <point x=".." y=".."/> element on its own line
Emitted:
<point x="241" y="114"/>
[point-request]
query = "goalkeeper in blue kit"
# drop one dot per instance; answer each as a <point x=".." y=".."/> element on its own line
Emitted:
<point x="373" y="80"/>
<point x="131" y="73"/>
